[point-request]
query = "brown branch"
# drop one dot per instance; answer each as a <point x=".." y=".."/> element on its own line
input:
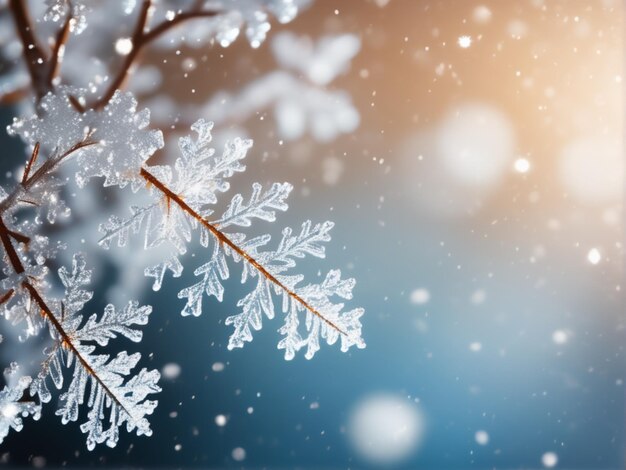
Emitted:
<point x="67" y="342"/>
<point x="66" y="339"/>
<point x="33" y="53"/>
<point x="141" y="38"/>
<point x="224" y="240"/>
<point x="43" y="71"/>
<point x="17" y="265"/>
<point x="42" y="172"/>
<point x="59" y="49"/>
<point x="137" y="44"/>
<point x="76" y="104"/>
<point x="7" y="296"/>
<point x="9" y="249"/>
<point x="14" y="96"/>
<point x="50" y="165"/>
<point x="31" y="162"/>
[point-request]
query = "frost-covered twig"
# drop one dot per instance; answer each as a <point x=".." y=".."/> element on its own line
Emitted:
<point x="141" y="38"/>
<point x="99" y="133"/>
<point x="58" y="51"/>
<point x="33" y="54"/>
<point x="223" y="239"/>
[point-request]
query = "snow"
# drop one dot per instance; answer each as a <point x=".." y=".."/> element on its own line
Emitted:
<point x="549" y="459"/>
<point x="481" y="437"/>
<point x="385" y="429"/>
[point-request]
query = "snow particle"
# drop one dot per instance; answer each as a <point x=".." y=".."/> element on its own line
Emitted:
<point x="482" y="14"/>
<point x="123" y="46"/>
<point x="594" y="256"/>
<point x="478" y="297"/>
<point x="420" y="296"/>
<point x="189" y="64"/>
<point x="238" y="454"/>
<point x="549" y="459"/>
<point x="385" y="429"/>
<point x="475" y="143"/>
<point x="170" y="371"/>
<point x="481" y="437"/>
<point x="464" y="42"/>
<point x="517" y="29"/>
<point x="560" y="337"/>
<point x="591" y="169"/>
<point x="522" y="165"/>
<point x="221" y="420"/>
<point x="217" y="367"/>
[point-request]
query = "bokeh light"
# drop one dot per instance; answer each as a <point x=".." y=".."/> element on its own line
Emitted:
<point x="385" y="428"/>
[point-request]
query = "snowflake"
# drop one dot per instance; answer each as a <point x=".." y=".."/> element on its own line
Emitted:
<point x="12" y="409"/>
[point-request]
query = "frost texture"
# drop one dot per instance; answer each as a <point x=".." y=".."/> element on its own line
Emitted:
<point x="12" y="409"/>
<point x="57" y="10"/>
<point x="88" y="131"/>
<point x="123" y="139"/>
<point x="116" y="397"/>
<point x="251" y="16"/>
<point x="18" y="308"/>
<point x="191" y="189"/>
<point x="198" y="175"/>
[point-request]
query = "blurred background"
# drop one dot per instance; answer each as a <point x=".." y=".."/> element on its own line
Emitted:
<point x="471" y="155"/>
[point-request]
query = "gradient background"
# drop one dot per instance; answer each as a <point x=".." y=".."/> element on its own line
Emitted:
<point x="502" y="254"/>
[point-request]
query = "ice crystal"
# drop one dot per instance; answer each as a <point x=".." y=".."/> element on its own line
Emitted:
<point x="115" y="396"/>
<point x="197" y="176"/>
<point x="184" y="199"/>
<point x="12" y="409"/>
<point x="95" y="131"/>
<point x="57" y="10"/>
<point x="234" y="16"/>
<point x="121" y="132"/>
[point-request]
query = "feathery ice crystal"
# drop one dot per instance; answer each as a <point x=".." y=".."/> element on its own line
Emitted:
<point x="99" y="135"/>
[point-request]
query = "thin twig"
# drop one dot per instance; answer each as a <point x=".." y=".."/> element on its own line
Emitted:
<point x="9" y="249"/>
<point x="14" y="96"/>
<point x="59" y="49"/>
<point x="223" y="239"/>
<point x="33" y="53"/>
<point x="66" y="339"/>
<point x="67" y="342"/>
<point x="141" y="38"/>
<point x="136" y="40"/>
<point x="7" y="296"/>
<point x="45" y="170"/>
<point x="31" y="162"/>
